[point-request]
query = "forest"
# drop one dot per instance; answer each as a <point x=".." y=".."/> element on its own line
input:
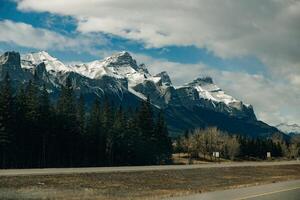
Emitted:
<point x="201" y="143"/>
<point x="36" y="132"/>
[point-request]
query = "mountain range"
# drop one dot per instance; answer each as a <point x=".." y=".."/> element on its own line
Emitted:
<point x="197" y="104"/>
<point x="289" y="129"/>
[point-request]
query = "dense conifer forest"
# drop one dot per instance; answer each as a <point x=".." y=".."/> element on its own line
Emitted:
<point x="35" y="132"/>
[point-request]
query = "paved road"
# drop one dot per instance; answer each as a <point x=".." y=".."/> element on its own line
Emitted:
<point x="48" y="171"/>
<point x="289" y="190"/>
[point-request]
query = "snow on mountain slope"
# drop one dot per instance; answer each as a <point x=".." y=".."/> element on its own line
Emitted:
<point x="286" y="128"/>
<point x="210" y="91"/>
<point x="119" y="65"/>
<point x="93" y="70"/>
<point x="122" y="66"/>
<point x="53" y="65"/>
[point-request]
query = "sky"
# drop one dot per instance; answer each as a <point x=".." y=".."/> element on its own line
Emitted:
<point x="250" y="48"/>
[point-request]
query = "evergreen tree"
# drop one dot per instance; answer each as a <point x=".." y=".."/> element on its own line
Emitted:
<point x="66" y="103"/>
<point x="6" y="120"/>
<point x="118" y="146"/>
<point x="146" y="126"/>
<point x="32" y="101"/>
<point x="108" y="136"/>
<point x="4" y="143"/>
<point x="81" y="114"/>
<point x="146" y="123"/>
<point x="133" y="141"/>
<point x="95" y="146"/>
<point x="22" y="134"/>
<point x="163" y="142"/>
<point x="68" y="127"/>
<point x="45" y="125"/>
<point x="32" y="124"/>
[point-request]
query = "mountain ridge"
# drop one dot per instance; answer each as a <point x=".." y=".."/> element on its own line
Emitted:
<point x="289" y="128"/>
<point x="126" y="82"/>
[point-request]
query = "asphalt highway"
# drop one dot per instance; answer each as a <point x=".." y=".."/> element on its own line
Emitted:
<point x="49" y="171"/>
<point x="289" y="190"/>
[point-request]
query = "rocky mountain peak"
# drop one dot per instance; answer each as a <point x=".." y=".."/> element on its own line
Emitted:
<point x="201" y="81"/>
<point x="120" y="59"/>
<point x="52" y="64"/>
<point x="10" y="58"/>
<point x="165" y="78"/>
<point x="10" y="62"/>
<point x="38" y="57"/>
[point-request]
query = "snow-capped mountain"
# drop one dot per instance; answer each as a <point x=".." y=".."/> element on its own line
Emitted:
<point x="199" y="103"/>
<point x="53" y="65"/>
<point x="205" y="92"/>
<point x="289" y="128"/>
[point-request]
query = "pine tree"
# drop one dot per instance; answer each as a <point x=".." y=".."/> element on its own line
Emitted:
<point x="6" y="119"/>
<point x="163" y="142"/>
<point x="146" y="123"/>
<point x="146" y="127"/>
<point x="133" y="140"/>
<point x="32" y="102"/>
<point x="81" y="114"/>
<point x="66" y="103"/>
<point x="118" y="147"/>
<point x="96" y="140"/>
<point x="108" y="119"/>
<point x="45" y="124"/>
<point x="68" y="128"/>
<point x="21" y="132"/>
<point x="32" y="115"/>
<point x="4" y="143"/>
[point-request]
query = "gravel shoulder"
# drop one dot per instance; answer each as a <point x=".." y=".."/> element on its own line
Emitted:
<point x="144" y="184"/>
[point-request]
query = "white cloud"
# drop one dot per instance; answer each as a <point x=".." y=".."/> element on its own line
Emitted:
<point x="268" y="29"/>
<point x="26" y="35"/>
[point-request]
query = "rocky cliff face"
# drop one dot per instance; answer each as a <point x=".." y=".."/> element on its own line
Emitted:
<point x="199" y="103"/>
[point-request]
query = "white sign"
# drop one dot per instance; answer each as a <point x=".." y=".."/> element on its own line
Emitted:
<point x="216" y="154"/>
<point x="268" y="154"/>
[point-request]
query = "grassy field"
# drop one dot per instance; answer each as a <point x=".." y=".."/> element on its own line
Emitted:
<point x="141" y="185"/>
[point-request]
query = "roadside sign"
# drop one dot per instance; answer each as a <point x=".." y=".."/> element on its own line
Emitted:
<point x="216" y="154"/>
<point x="268" y="154"/>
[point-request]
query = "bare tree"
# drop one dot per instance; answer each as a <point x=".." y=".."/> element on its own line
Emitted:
<point x="206" y="141"/>
<point x="294" y="147"/>
<point x="278" y="139"/>
<point x="232" y="146"/>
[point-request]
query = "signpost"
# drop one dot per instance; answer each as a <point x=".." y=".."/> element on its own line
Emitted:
<point x="269" y="155"/>
<point x="216" y="155"/>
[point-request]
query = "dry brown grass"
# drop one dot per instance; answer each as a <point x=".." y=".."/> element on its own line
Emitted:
<point x="141" y="185"/>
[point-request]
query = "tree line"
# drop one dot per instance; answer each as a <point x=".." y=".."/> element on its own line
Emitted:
<point x="36" y="132"/>
<point x="201" y="143"/>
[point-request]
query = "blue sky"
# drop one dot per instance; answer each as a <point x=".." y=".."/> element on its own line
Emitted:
<point x="250" y="48"/>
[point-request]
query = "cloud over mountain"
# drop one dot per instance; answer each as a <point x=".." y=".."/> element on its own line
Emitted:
<point x="25" y="35"/>
<point x="268" y="29"/>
